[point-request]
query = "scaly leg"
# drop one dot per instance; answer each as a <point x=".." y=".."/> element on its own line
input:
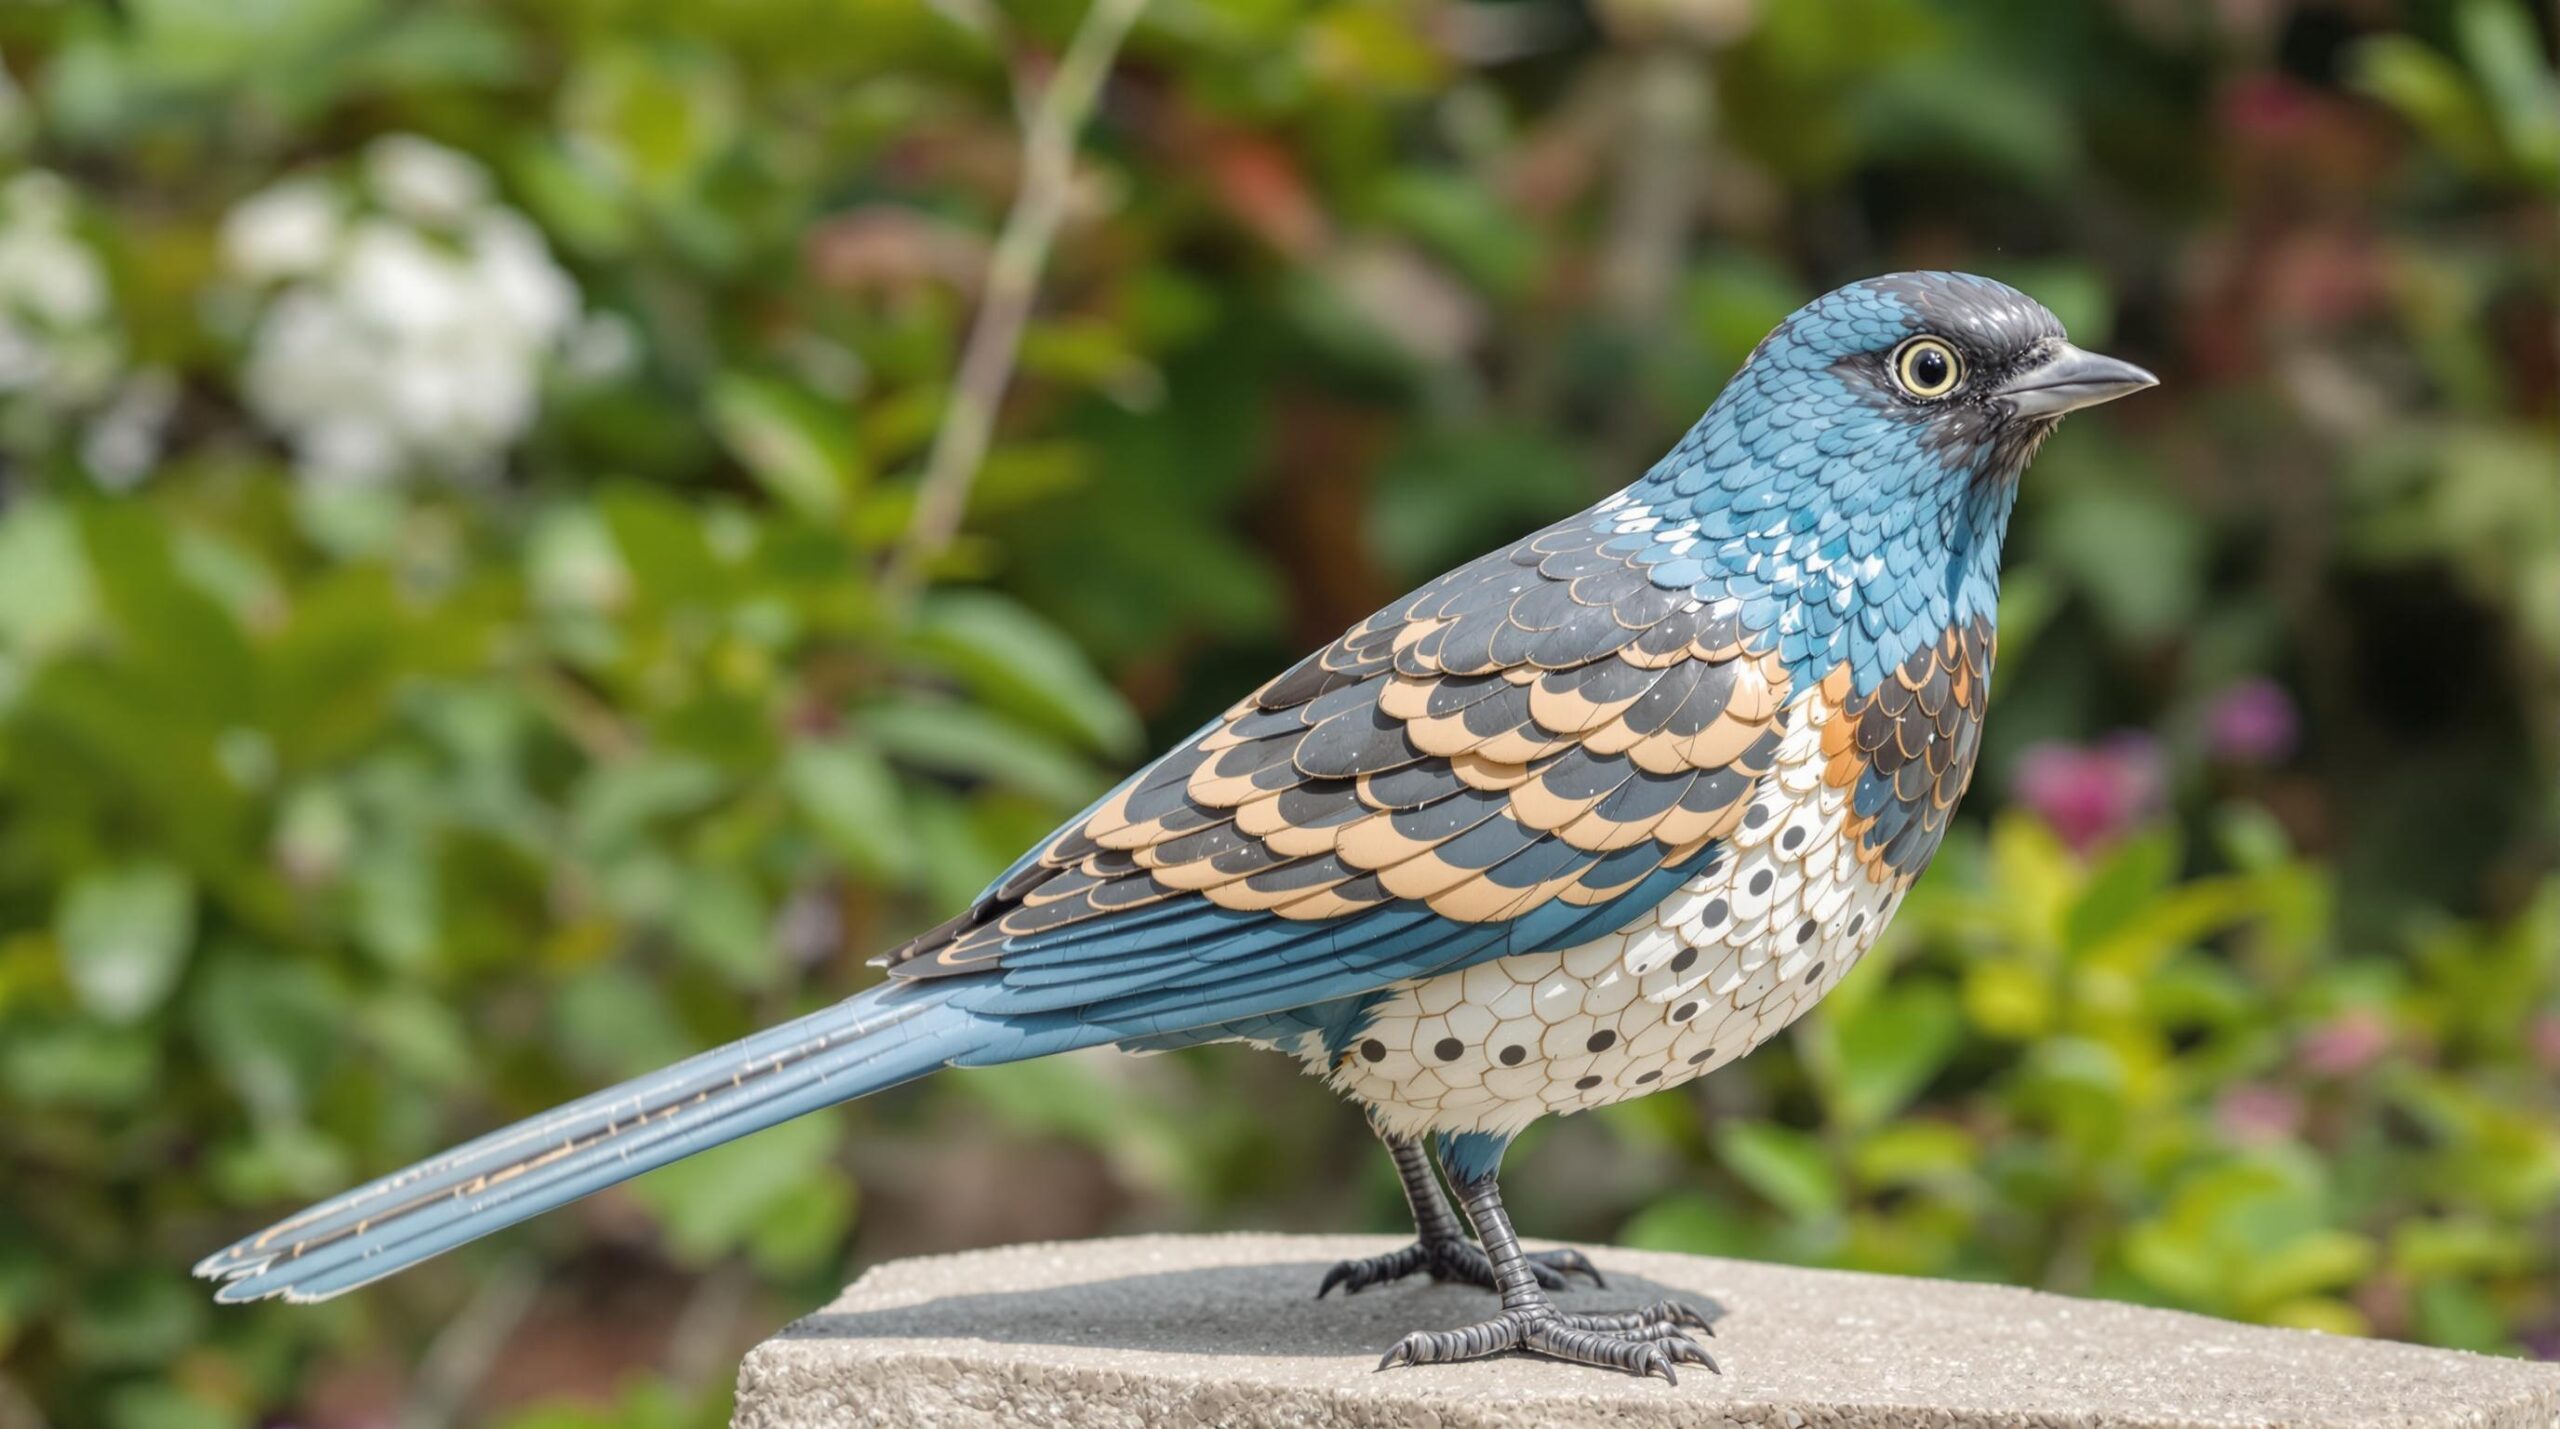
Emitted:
<point x="1440" y="1242"/>
<point x="1643" y="1342"/>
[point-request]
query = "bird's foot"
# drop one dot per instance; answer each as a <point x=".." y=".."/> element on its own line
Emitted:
<point x="1455" y="1261"/>
<point x="1641" y="1342"/>
<point x="1661" y="1320"/>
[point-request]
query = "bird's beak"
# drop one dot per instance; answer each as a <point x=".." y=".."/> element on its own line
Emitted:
<point x="2069" y="380"/>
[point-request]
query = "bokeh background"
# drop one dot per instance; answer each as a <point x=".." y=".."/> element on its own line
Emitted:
<point x="465" y="636"/>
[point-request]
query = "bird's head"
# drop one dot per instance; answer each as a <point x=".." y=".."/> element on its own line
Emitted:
<point x="1956" y="376"/>
<point x="1850" y="487"/>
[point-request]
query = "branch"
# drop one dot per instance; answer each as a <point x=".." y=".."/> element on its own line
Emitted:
<point x="1013" y="280"/>
<point x="458" y="1360"/>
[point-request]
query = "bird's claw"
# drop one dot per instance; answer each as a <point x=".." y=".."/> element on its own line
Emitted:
<point x="1355" y="1276"/>
<point x="1663" y="1317"/>
<point x="1453" y="1261"/>
<point x="1559" y="1263"/>
<point x="1651" y="1346"/>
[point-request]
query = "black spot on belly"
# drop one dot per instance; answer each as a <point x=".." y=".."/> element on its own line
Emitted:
<point x="1450" y="1049"/>
<point x="1699" y="1058"/>
<point x="1374" y="1050"/>
<point x="1760" y="881"/>
<point x="1794" y="840"/>
<point x="1586" y="1084"/>
<point x="1683" y="960"/>
<point x="1602" y="1040"/>
<point x="1804" y="931"/>
<point x="1684" y="1012"/>
<point x="1816" y="974"/>
<point x="1514" y="1055"/>
<point x="1713" y="915"/>
<point x="1648" y="1077"/>
<point x="1759" y="815"/>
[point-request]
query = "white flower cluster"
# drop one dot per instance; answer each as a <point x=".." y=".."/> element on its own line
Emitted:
<point x="62" y="355"/>
<point x="57" y="343"/>
<point x="409" y="317"/>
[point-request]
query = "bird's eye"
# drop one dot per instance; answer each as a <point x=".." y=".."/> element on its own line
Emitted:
<point x="1927" y="367"/>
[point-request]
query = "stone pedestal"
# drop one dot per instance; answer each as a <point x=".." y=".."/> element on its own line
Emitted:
<point x="1225" y="1330"/>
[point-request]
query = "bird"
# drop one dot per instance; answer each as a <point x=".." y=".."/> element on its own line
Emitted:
<point x="1583" y="819"/>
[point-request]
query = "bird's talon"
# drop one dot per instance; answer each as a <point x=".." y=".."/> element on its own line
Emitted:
<point x="1355" y="1276"/>
<point x="1460" y="1262"/>
<point x="1568" y="1261"/>
<point x="1643" y="1349"/>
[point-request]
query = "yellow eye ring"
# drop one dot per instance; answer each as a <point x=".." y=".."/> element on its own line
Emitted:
<point x="1926" y="367"/>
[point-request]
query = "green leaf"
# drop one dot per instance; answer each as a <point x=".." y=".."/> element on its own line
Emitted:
<point x="617" y="803"/>
<point x="713" y="1203"/>
<point x="2319" y="1260"/>
<point x="1888" y="1048"/>
<point x="2462" y="1315"/>
<point x="80" y="1064"/>
<point x="1790" y="1168"/>
<point x="642" y="1404"/>
<point x="125" y="935"/>
<point x="272" y="1026"/>
<point x="2431" y="92"/>
<point x="613" y="1018"/>
<point x="46" y="598"/>
<point x="2517" y="79"/>
<point x="795" y="446"/>
<point x="2129" y="547"/>
<point x="720" y="920"/>
<point x="164" y="1406"/>
<point x="1691" y="1224"/>
<point x="846" y="790"/>
<point x="663" y="546"/>
<point x="1021" y="663"/>
<point x="955" y="739"/>
<point x="802" y="1228"/>
<point x="420" y="1037"/>
<point x="1468" y="223"/>
<point x="1917" y="1153"/>
<point x="2120" y="888"/>
<point x="134" y="1318"/>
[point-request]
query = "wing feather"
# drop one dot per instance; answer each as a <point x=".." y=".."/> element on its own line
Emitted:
<point x="1489" y="763"/>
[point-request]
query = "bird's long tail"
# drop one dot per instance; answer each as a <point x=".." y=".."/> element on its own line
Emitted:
<point x="883" y="1037"/>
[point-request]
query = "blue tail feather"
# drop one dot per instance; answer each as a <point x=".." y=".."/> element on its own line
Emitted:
<point x="890" y="1035"/>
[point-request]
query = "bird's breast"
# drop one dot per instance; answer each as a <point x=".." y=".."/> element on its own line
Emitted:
<point x="1731" y="957"/>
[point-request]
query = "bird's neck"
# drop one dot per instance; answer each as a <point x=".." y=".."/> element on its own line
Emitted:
<point x="1847" y="548"/>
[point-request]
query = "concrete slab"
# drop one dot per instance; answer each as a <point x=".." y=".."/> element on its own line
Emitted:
<point x="1224" y="1330"/>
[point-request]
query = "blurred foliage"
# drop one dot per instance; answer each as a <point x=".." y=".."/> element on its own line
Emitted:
<point x="451" y="449"/>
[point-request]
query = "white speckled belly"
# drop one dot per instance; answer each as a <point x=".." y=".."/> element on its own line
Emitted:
<point x="1715" y="970"/>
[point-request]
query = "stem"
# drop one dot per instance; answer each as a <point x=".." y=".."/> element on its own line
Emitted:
<point x="460" y="1357"/>
<point x="1013" y="280"/>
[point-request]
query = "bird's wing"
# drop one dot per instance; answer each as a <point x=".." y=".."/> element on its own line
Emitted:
<point x="1524" y="753"/>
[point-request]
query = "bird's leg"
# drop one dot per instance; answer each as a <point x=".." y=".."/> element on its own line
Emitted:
<point x="1642" y="1342"/>
<point x="1440" y="1242"/>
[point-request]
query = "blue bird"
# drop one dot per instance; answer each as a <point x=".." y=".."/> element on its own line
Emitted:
<point x="1583" y="819"/>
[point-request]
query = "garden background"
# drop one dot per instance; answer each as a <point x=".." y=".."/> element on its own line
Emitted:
<point x="466" y="634"/>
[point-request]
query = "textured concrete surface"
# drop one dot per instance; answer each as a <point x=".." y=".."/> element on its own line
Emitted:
<point x="1224" y="1330"/>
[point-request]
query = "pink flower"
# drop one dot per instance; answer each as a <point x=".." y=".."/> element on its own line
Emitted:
<point x="2252" y="722"/>
<point x="2092" y="794"/>
<point x="2347" y="1043"/>
<point x="2266" y="107"/>
<point x="2254" y="1114"/>
<point x="2545" y="1040"/>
